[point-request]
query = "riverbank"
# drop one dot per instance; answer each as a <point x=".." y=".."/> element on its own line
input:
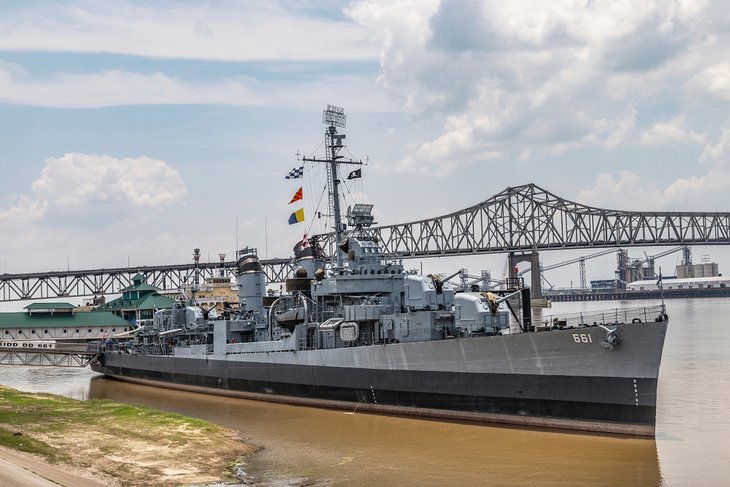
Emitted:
<point x="114" y="443"/>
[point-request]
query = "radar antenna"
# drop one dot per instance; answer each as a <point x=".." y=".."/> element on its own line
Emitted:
<point x="360" y="215"/>
<point x="334" y="117"/>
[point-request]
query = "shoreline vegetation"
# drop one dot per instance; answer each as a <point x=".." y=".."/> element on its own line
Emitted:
<point x="119" y="444"/>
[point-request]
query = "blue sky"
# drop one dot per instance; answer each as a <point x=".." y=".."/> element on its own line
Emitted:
<point x="136" y="131"/>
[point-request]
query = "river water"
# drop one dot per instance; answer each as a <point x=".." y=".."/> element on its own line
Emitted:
<point x="336" y="448"/>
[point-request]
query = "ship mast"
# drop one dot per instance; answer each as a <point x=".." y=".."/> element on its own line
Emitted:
<point x="334" y="117"/>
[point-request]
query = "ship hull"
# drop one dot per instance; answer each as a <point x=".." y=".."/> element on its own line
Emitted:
<point x="562" y="379"/>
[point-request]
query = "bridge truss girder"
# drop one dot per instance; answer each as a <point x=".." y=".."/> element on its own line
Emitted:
<point x="45" y="285"/>
<point x="528" y="218"/>
<point x="521" y="219"/>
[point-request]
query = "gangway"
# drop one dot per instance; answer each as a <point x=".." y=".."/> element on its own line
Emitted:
<point x="46" y="354"/>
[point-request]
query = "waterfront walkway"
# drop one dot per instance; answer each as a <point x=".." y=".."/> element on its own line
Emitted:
<point x="18" y="468"/>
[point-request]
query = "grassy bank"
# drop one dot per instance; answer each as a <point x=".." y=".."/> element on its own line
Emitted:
<point x="125" y="445"/>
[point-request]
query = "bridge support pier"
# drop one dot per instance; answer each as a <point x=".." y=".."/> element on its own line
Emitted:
<point x="535" y="272"/>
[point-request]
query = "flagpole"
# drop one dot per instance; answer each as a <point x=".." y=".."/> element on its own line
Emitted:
<point x="661" y="286"/>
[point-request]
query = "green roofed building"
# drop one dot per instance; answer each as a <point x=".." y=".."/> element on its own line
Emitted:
<point x="138" y="302"/>
<point x="59" y="321"/>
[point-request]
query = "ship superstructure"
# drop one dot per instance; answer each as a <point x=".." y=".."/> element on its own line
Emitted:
<point x="355" y="330"/>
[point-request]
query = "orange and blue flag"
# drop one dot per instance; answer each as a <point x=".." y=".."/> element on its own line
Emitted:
<point x="296" y="217"/>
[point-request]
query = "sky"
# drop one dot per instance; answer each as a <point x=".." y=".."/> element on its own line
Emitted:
<point x="132" y="132"/>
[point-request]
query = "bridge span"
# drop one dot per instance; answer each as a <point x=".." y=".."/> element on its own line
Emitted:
<point x="528" y="218"/>
<point x="520" y="221"/>
<point x="94" y="282"/>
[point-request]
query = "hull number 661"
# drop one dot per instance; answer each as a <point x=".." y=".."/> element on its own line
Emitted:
<point x="582" y="338"/>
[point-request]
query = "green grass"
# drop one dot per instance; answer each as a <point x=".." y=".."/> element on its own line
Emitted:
<point x="11" y="439"/>
<point x="134" y="444"/>
<point x="16" y="406"/>
<point x="53" y="415"/>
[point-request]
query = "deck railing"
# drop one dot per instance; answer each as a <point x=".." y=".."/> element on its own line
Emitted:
<point x="617" y="316"/>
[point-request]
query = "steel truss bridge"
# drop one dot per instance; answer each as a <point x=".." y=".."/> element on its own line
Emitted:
<point x="528" y="218"/>
<point x="94" y="282"/>
<point x="520" y="221"/>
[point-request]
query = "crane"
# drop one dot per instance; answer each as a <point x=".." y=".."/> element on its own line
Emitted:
<point x="581" y="261"/>
<point x="571" y="261"/>
<point x="635" y="269"/>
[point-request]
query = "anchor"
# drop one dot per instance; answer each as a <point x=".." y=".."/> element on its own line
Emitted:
<point x="611" y="340"/>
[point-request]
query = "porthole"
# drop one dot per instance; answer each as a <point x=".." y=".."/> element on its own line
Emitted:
<point x="32" y="332"/>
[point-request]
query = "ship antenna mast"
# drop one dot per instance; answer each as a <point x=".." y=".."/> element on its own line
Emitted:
<point x="334" y="117"/>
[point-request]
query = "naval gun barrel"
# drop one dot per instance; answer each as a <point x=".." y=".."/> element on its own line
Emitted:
<point x="448" y="278"/>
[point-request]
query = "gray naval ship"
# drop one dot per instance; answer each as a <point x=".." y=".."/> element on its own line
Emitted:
<point x="356" y="331"/>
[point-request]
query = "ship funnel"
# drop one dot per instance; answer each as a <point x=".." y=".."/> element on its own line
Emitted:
<point x="251" y="284"/>
<point x="309" y="256"/>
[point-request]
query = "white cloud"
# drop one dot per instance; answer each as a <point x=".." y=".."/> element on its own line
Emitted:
<point x="86" y="205"/>
<point x="715" y="80"/>
<point x="620" y="193"/>
<point x="629" y="192"/>
<point x="720" y="151"/>
<point x="21" y="212"/>
<point x="79" y="187"/>
<point x="669" y="132"/>
<point x="543" y="77"/>
<point x="79" y="181"/>
<point x="118" y="87"/>
<point x="227" y="31"/>
<point x="92" y="90"/>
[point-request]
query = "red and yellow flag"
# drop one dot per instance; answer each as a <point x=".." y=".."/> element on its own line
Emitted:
<point x="297" y="196"/>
